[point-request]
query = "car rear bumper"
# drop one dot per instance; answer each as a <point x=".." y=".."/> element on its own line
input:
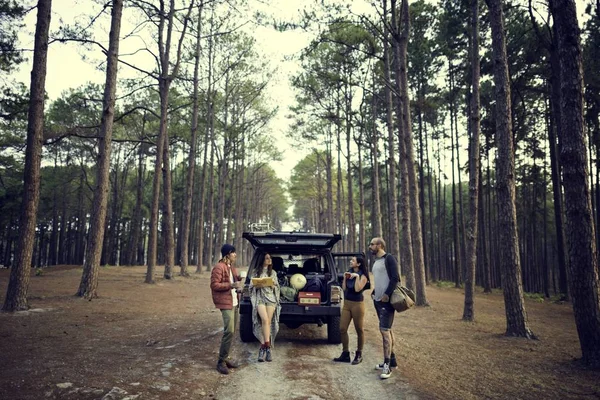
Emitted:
<point x="294" y="312"/>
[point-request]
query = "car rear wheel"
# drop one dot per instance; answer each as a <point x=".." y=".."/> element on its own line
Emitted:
<point x="334" y="335"/>
<point x="246" y="333"/>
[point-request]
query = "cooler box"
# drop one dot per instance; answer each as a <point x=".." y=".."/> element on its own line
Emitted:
<point x="309" y="299"/>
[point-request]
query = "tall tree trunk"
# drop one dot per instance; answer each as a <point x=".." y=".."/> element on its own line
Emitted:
<point x="202" y="260"/>
<point x="89" y="278"/>
<point x="351" y="217"/>
<point x="162" y="147"/>
<point x="516" y="316"/>
<point x="136" y="221"/>
<point x="485" y="262"/>
<point x="461" y="213"/>
<point x="469" y="311"/>
<point x="583" y="262"/>
<point x="553" y="133"/>
<point x="362" y="223"/>
<point x="455" y="230"/>
<point x="415" y="212"/>
<point x="18" y="284"/>
<point x="426" y="256"/>
<point x="392" y="218"/>
<point x="189" y="185"/>
<point x="240" y="190"/>
<point x="433" y="260"/>
<point x="211" y="196"/>
<point x="376" y="213"/>
<point x="168" y="233"/>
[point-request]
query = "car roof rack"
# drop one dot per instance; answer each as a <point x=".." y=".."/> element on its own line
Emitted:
<point x="260" y="227"/>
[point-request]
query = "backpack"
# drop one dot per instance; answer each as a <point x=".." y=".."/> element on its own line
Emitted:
<point x="288" y="293"/>
<point x="314" y="284"/>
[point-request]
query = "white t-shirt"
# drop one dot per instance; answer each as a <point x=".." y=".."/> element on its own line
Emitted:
<point x="382" y="280"/>
<point x="233" y="292"/>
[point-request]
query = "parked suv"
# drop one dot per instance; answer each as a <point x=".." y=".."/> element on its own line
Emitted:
<point x="308" y="254"/>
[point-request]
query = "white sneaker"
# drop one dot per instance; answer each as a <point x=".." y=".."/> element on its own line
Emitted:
<point x="386" y="371"/>
<point x="393" y="364"/>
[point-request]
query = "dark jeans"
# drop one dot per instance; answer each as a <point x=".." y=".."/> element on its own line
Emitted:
<point x="385" y="313"/>
<point x="229" y="323"/>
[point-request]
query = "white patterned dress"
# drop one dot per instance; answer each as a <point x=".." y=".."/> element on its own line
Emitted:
<point x="268" y="296"/>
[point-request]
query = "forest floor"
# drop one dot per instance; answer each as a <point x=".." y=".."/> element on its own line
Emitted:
<point x="139" y="341"/>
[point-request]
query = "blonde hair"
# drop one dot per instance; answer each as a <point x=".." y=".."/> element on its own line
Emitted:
<point x="379" y="241"/>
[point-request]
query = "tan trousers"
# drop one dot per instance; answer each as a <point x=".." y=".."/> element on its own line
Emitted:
<point x="353" y="310"/>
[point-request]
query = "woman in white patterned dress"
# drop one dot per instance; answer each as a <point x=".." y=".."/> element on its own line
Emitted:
<point x="265" y="307"/>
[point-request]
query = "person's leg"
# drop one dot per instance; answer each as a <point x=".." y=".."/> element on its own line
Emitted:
<point x="345" y="323"/>
<point x="385" y="325"/>
<point x="228" y="329"/>
<point x="358" y="316"/>
<point x="385" y="313"/>
<point x="267" y="323"/>
<point x="261" y="309"/>
<point x="270" y="311"/>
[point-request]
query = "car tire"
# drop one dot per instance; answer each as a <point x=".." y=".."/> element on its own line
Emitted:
<point x="334" y="336"/>
<point x="246" y="333"/>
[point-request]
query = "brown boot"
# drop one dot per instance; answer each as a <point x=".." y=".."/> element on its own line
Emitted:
<point x="222" y="368"/>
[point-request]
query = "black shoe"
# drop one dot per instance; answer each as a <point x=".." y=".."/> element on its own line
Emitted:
<point x="357" y="358"/>
<point x="268" y="356"/>
<point x="222" y="368"/>
<point x="344" y="357"/>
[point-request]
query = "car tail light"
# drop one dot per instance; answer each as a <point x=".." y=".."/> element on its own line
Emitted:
<point x="336" y="294"/>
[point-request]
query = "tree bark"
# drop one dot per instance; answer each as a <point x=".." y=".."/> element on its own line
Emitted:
<point x="469" y="310"/>
<point x="415" y="212"/>
<point x="516" y="316"/>
<point x="18" y="284"/>
<point x="583" y="262"/>
<point x="376" y="213"/>
<point x="89" y="279"/>
<point x="393" y="241"/>
<point x="189" y="185"/>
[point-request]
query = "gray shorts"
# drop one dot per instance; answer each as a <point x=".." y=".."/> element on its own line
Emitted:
<point x="385" y="313"/>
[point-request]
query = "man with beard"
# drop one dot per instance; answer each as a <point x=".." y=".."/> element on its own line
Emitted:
<point x="387" y="276"/>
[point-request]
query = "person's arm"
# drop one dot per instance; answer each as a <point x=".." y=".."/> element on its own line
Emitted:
<point x="392" y="270"/>
<point x="360" y="283"/>
<point x="216" y="280"/>
<point x="344" y="283"/>
<point x="391" y="267"/>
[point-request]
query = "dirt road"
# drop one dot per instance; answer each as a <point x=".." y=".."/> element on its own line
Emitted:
<point x="160" y="342"/>
<point x="302" y="368"/>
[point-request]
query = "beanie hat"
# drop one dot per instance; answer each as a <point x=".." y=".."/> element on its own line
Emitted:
<point x="227" y="249"/>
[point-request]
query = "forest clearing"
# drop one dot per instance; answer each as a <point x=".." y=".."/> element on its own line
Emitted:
<point x="461" y="137"/>
<point x="161" y="341"/>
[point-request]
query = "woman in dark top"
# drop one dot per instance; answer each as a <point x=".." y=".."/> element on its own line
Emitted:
<point x="355" y="282"/>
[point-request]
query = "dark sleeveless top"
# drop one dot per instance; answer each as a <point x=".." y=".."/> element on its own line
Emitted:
<point x="350" y="293"/>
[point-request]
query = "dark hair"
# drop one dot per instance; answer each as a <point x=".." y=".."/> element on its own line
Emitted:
<point x="362" y="266"/>
<point x="261" y="263"/>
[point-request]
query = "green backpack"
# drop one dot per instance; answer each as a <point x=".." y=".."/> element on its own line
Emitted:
<point x="288" y="293"/>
